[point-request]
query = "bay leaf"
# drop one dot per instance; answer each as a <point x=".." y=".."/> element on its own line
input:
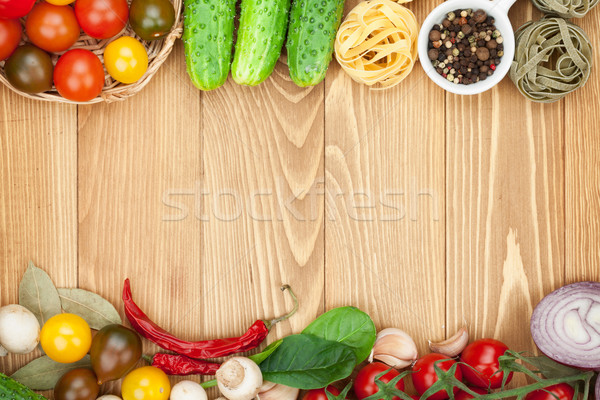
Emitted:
<point x="38" y="294"/>
<point x="96" y="310"/>
<point x="43" y="373"/>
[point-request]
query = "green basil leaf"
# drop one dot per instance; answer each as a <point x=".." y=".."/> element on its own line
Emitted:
<point x="349" y="326"/>
<point x="38" y="294"/>
<point x="262" y="356"/>
<point x="43" y="373"/>
<point x="308" y="362"/>
<point x="97" y="311"/>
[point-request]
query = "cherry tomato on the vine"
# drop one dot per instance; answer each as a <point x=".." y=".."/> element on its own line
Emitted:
<point x="52" y="28"/>
<point x="424" y="375"/>
<point x="79" y="75"/>
<point x="319" y="394"/>
<point x="365" y="386"/>
<point x="561" y="391"/>
<point x="10" y="36"/>
<point x="102" y="19"/>
<point x="483" y="365"/>
<point x="462" y="395"/>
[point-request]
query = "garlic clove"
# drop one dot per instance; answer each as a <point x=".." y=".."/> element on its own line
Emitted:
<point x="277" y="392"/>
<point x="395" y="348"/>
<point x="452" y="346"/>
<point x="239" y="378"/>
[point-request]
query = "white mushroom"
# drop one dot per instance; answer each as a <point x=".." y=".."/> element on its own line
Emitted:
<point x="19" y="329"/>
<point x="188" y="390"/>
<point x="3" y="352"/>
<point x="239" y="378"/>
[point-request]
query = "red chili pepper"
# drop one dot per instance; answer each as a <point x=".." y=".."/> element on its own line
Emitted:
<point x="253" y="337"/>
<point x="493" y="67"/>
<point x="172" y="364"/>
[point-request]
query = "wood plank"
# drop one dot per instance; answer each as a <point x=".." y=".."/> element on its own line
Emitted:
<point x="262" y="211"/>
<point x="582" y="172"/>
<point x="136" y="160"/>
<point x="505" y="208"/>
<point x="38" y="196"/>
<point x="385" y="199"/>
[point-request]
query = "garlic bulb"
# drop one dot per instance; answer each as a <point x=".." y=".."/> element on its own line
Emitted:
<point x="452" y="346"/>
<point x="239" y="378"/>
<point x="394" y="347"/>
<point x="272" y="391"/>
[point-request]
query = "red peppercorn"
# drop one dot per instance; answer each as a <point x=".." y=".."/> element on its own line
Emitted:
<point x="453" y="40"/>
<point x="493" y="67"/>
<point x="444" y="75"/>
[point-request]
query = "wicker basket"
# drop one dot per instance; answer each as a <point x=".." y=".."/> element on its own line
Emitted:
<point x="158" y="51"/>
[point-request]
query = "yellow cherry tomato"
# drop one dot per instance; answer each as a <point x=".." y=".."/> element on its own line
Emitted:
<point x="146" y="383"/>
<point x="60" y="2"/>
<point x="66" y="338"/>
<point x="126" y="60"/>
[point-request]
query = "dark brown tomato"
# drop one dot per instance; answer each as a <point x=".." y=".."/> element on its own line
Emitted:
<point x="29" y="69"/>
<point x="115" y="351"/>
<point x="151" y="19"/>
<point x="78" y="384"/>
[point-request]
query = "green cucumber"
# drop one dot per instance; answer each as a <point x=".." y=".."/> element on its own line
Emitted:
<point x="11" y="389"/>
<point x="263" y="24"/>
<point x="208" y="40"/>
<point x="311" y="37"/>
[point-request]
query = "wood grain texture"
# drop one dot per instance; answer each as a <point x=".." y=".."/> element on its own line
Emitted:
<point x="582" y="169"/>
<point x="38" y="196"/>
<point x="425" y="209"/>
<point x="124" y="217"/>
<point x="505" y="208"/>
<point x="262" y="214"/>
<point x="384" y="157"/>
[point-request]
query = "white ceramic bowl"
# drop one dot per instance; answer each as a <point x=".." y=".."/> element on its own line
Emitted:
<point x="498" y="9"/>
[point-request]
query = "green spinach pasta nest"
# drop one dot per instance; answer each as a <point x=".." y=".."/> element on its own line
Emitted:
<point x="566" y="8"/>
<point x="553" y="58"/>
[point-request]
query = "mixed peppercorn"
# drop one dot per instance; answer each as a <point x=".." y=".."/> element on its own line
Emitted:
<point x="466" y="47"/>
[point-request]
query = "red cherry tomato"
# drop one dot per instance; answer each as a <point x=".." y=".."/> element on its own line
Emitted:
<point x="365" y="386"/>
<point x="10" y="36"/>
<point x="52" y="28"/>
<point x="78" y="75"/>
<point x="482" y="355"/>
<point x="102" y="19"/>
<point x="12" y="9"/>
<point x="562" y="391"/>
<point x="462" y="395"/>
<point x="424" y="375"/>
<point x="319" y="394"/>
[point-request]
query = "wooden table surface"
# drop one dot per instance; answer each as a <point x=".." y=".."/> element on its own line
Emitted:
<point x="425" y="209"/>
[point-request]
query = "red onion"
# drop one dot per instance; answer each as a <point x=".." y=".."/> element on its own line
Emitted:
<point x="565" y="325"/>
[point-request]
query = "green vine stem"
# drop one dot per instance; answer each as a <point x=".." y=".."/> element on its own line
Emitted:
<point x="209" y="384"/>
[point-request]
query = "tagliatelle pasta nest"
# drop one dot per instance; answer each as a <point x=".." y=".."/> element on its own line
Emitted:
<point x="553" y="58"/>
<point x="377" y="43"/>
